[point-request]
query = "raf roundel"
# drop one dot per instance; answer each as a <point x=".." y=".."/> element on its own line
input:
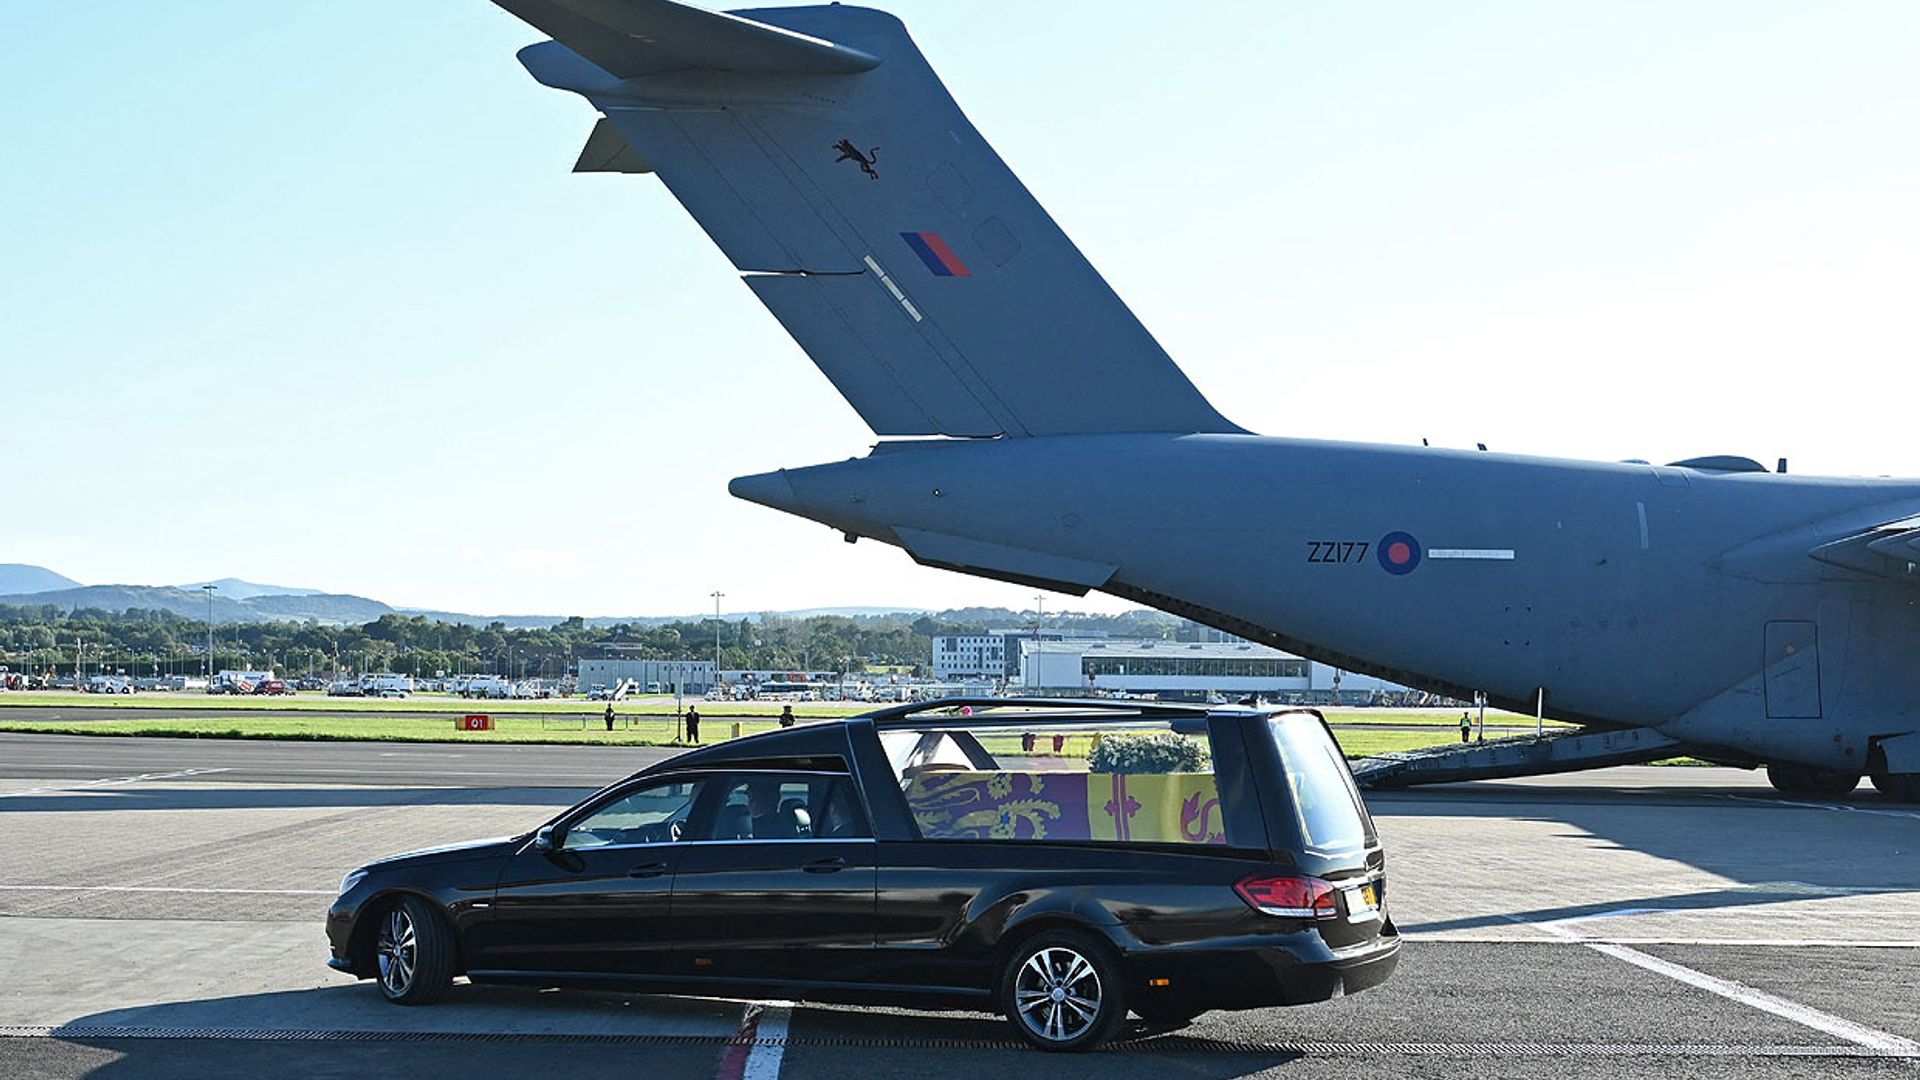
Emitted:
<point x="1399" y="553"/>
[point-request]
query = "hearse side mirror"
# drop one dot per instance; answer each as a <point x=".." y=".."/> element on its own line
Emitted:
<point x="547" y="841"/>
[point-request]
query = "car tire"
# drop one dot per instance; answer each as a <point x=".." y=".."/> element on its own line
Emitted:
<point x="1806" y="781"/>
<point x="413" y="952"/>
<point x="1061" y="991"/>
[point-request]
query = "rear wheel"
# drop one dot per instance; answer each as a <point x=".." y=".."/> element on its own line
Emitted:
<point x="413" y="951"/>
<point x="1900" y="787"/>
<point x="1061" y="990"/>
<point x="1809" y="782"/>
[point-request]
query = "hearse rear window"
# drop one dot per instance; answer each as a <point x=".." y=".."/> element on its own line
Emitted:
<point x="1332" y="817"/>
<point x="1125" y="782"/>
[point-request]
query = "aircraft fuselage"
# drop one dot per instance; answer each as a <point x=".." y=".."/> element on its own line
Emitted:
<point x="1664" y="597"/>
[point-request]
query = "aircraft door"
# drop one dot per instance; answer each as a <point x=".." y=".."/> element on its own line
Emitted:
<point x="1793" y="671"/>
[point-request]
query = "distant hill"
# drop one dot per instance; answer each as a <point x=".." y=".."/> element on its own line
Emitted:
<point x="21" y="578"/>
<point x="248" y="601"/>
<point x="243" y="601"/>
<point x="539" y="622"/>
<point x="511" y="622"/>
<point x="854" y="612"/>
<point x="246" y="590"/>
<point x="317" y="607"/>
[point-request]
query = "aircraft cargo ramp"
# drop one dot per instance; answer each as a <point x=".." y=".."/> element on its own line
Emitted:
<point x="1527" y="755"/>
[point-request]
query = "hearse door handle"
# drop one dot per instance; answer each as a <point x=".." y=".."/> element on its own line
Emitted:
<point x="826" y="866"/>
<point x="652" y="869"/>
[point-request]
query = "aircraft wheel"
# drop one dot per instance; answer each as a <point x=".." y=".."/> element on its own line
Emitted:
<point x="1808" y="782"/>
<point x="1900" y="787"/>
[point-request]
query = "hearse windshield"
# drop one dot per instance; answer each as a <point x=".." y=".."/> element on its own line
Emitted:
<point x="1332" y="817"/>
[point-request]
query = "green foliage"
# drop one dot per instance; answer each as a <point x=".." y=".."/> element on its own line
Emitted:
<point x="48" y="638"/>
<point x="1162" y="752"/>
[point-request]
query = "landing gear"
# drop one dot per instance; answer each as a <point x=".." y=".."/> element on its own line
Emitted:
<point x="1807" y="782"/>
<point x="1900" y="787"/>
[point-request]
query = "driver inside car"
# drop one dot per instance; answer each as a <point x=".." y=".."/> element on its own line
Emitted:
<point x="771" y="820"/>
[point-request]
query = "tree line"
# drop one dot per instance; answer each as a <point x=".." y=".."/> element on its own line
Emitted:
<point x="47" y="639"/>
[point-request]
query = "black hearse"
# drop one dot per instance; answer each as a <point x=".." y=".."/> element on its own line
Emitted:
<point x="1062" y="862"/>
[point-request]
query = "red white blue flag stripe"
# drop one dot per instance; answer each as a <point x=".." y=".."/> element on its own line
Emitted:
<point x="936" y="254"/>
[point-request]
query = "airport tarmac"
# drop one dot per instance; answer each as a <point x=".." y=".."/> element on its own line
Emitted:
<point x="160" y="915"/>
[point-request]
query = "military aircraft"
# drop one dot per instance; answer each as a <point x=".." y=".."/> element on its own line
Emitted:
<point x="1033" y="431"/>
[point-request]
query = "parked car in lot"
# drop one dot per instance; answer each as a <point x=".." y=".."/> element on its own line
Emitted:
<point x="1167" y="860"/>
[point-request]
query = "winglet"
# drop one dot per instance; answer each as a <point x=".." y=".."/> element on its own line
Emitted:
<point x="633" y="38"/>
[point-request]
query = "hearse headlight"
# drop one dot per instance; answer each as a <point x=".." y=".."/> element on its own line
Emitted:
<point x="352" y="879"/>
<point x="1291" y="896"/>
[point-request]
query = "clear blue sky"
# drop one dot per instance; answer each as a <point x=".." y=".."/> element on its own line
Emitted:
<point x="304" y="292"/>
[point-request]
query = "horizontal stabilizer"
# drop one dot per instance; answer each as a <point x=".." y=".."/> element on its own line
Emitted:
<point x="607" y="151"/>
<point x="633" y="38"/>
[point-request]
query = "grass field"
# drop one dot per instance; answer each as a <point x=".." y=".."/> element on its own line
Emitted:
<point x="137" y="704"/>
<point x="556" y="722"/>
<point x="438" y="704"/>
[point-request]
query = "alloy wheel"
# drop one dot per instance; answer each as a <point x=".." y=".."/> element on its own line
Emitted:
<point x="1057" y="994"/>
<point x="398" y="951"/>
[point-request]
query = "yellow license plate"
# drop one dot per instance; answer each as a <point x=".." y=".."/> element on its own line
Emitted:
<point x="1370" y="896"/>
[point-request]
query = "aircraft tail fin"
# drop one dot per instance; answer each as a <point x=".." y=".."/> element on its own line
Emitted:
<point x="823" y="155"/>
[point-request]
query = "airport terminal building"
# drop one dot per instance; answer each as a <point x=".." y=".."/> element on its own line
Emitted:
<point x="995" y="654"/>
<point x="690" y="676"/>
<point x="1189" y="668"/>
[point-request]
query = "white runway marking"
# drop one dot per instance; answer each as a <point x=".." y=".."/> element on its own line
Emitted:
<point x="759" y="1046"/>
<point x="1446" y="937"/>
<point x="1536" y="1050"/>
<point x="109" y="782"/>
<point x="1825" y="806"/>
<point x="1805" y="1015"/>
<point x="166" y="889"/>
<point x="764" y="1062"/>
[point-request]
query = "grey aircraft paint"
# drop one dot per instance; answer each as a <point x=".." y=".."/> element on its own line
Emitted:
<point x="1750" y="616"/>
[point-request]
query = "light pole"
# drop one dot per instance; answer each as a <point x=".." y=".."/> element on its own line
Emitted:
<point x="717" y="594"/>
<point x="209" y="590"/>
<point x="1039" y="619"/>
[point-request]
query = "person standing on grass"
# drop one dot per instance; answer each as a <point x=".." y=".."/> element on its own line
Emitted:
<point x="786" y="716"/>
<point x="609" y="716"/>
<point x="693" y="724"/>
<point x="1466" y="728"/>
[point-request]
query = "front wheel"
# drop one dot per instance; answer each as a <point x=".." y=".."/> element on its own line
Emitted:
<point x="1061" y="991"/>
<point x="413" y="951"/>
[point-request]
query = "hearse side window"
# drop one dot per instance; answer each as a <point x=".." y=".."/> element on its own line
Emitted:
<point x="919" y="749"/>
<point x="653" y="814"/>
<point x="802" y="806"/>
<point x="1332" y="817"/>
<point x="1133" y="783"/>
